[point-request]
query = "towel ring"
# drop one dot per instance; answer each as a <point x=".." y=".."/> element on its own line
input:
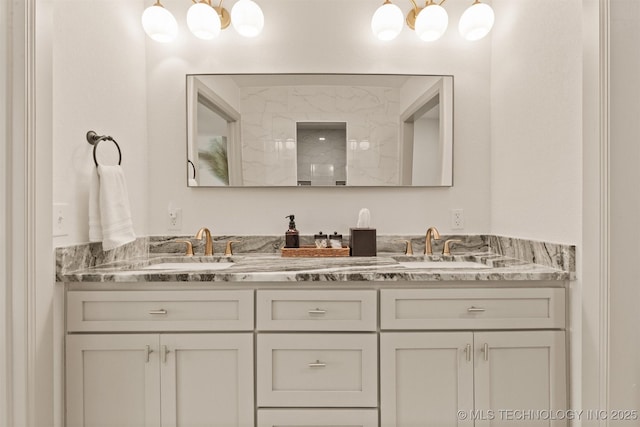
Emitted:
<point x="189" y="162"/>
<point x="95" y="139"/>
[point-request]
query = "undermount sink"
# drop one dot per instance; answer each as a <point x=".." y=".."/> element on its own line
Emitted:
<point x="189" y="266"/>
<point x="440" y="265"/>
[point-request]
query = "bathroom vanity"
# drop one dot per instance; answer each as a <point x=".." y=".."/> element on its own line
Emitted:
<point x="351" y="342"/>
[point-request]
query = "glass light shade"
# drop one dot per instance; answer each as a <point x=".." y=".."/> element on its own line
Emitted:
<point x="432" y="22"/>
<point x="159" y="24"/>
<point x="247" y="18"/>
<point x="203" y="21"/>
<point x="387" y="22"/>
<point x="476" y="21"/>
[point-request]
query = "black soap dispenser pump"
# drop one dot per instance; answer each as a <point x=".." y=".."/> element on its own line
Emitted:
<point x="292" y="236"/>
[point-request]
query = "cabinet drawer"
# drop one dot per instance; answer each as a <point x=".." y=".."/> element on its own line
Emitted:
<point x="319" y="370"/>
<point x="317" y="417"/>
<point x="159" y="310"/>
<point x="307" y="310"/>
<point x="539" y="308"/>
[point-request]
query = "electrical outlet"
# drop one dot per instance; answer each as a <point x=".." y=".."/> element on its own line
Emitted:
<point x="60" y="219"/>
<point x="174" y="219"/>
<point x="457" y="219"/>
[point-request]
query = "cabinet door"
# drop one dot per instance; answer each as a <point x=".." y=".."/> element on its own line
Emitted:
<point x="112" y="380"/>
<point x="426" y="378"/>
<point x="207" y="380"/>
<point x="519" y="371"/>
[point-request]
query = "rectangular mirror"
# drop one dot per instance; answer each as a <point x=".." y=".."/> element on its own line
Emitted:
<point x="279" y="130"/>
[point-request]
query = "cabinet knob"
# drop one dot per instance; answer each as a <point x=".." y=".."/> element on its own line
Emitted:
<point x="156" y="312"/>
<point x="473" y="309"/>
<point x="317" y="311"/>
<point x="467" y="350"/>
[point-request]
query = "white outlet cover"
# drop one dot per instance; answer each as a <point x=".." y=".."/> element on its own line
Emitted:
<point x="174" y="219"/>
<point x="60" y="219"/>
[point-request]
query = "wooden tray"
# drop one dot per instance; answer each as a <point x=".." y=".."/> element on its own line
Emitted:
<point x="312" y="251"/>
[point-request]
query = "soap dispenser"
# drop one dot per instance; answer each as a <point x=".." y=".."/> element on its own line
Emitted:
<point x="292" y="236"/>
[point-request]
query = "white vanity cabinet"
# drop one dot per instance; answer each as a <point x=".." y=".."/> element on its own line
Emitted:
<point x="164" y="379"/>
<point x="433" y="373"/>
<point x="317" y="349"/>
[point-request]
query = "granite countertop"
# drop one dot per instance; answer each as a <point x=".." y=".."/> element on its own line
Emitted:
<point x="269" y="267"/>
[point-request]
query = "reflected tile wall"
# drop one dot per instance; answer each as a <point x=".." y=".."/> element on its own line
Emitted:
<point x="269" y="131"/>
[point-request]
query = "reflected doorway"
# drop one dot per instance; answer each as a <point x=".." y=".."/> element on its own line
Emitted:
<point x="321" y="153"/>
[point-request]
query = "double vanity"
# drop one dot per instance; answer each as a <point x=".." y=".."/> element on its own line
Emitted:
<point x="254" y="339"/>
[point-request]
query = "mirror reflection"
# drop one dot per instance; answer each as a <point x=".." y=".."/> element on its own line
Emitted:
<point x="319" y="130"/>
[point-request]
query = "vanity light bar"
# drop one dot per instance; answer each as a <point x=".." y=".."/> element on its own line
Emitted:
<point x="204" y="20"/>
<point x="431" y="21"/>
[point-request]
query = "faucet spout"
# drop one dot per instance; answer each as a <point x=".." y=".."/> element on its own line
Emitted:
<point x="208" y="246"/>
<point x="432" y="232"/>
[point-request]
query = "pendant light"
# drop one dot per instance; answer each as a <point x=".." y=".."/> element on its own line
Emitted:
<point x="203" y="20"/>
<point x="386" y="23"/>
<point x="247" y="18"/>
<point x="159" y="23"/>
<point x="476" y="21"/>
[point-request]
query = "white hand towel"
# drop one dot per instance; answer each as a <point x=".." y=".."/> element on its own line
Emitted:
<point x="95" y="225"/>
<point x="110" y="203"/>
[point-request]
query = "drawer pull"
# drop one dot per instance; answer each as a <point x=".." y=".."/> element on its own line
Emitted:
<point x="148" y="352"/>
<point x="485" y="350"/>
<point x="317" y="364"/>
<point x="165" y="352"/>
<point x="161" y="311"/>
<point x="467" y="350"/>
<point x="473" y="309"/>
<point x="317" y="311"/>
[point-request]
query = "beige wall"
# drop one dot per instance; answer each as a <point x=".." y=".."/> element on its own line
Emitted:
<point x="536" y="117"/>
<point x="624" y="387"/>
<point x="312" y="36"/>
<point x="99" y="83"/>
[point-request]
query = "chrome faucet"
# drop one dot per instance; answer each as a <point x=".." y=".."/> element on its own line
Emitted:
<point x="208" y="246"/>
<point x="431" y="232"/>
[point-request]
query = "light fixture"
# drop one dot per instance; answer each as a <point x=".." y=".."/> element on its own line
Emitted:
<point x="204" y="20"/>
<point x="159" y="23"/>
<point x="386" y="23"/>
<point x="247" y="18"/>
<point x="431" y="21"/>
<point x="476" y="21"/>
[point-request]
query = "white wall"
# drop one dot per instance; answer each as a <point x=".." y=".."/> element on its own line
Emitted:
<point x="536" y="116"/>
<point x="317" y="36"/>
<point x="624" y="387"/>
<point x="99" y="77"/>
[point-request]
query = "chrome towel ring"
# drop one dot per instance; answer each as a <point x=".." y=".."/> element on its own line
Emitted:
<point x="95" y="139"/>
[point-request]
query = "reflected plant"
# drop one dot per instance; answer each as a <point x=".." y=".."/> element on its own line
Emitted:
<point x="215" y="158"/>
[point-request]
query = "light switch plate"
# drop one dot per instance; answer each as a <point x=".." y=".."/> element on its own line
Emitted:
<point x="60" y="219"/>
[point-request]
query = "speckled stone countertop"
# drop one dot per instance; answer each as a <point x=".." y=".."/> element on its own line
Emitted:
<point x="270" y="267"/>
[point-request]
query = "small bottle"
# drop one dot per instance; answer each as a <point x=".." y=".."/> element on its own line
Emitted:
<point x="335" y="240"/>
<point x="320" y="240"/>
<point x="292" y="236"/>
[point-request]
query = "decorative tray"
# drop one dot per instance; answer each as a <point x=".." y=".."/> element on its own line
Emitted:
<point x="312" y="251"/>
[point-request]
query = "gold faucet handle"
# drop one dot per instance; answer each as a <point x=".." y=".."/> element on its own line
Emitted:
<point x="408" y="248"/>
<point x="189" y="251"/>
<point x="446" y="250"/>
<point x="229" y="249"/>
